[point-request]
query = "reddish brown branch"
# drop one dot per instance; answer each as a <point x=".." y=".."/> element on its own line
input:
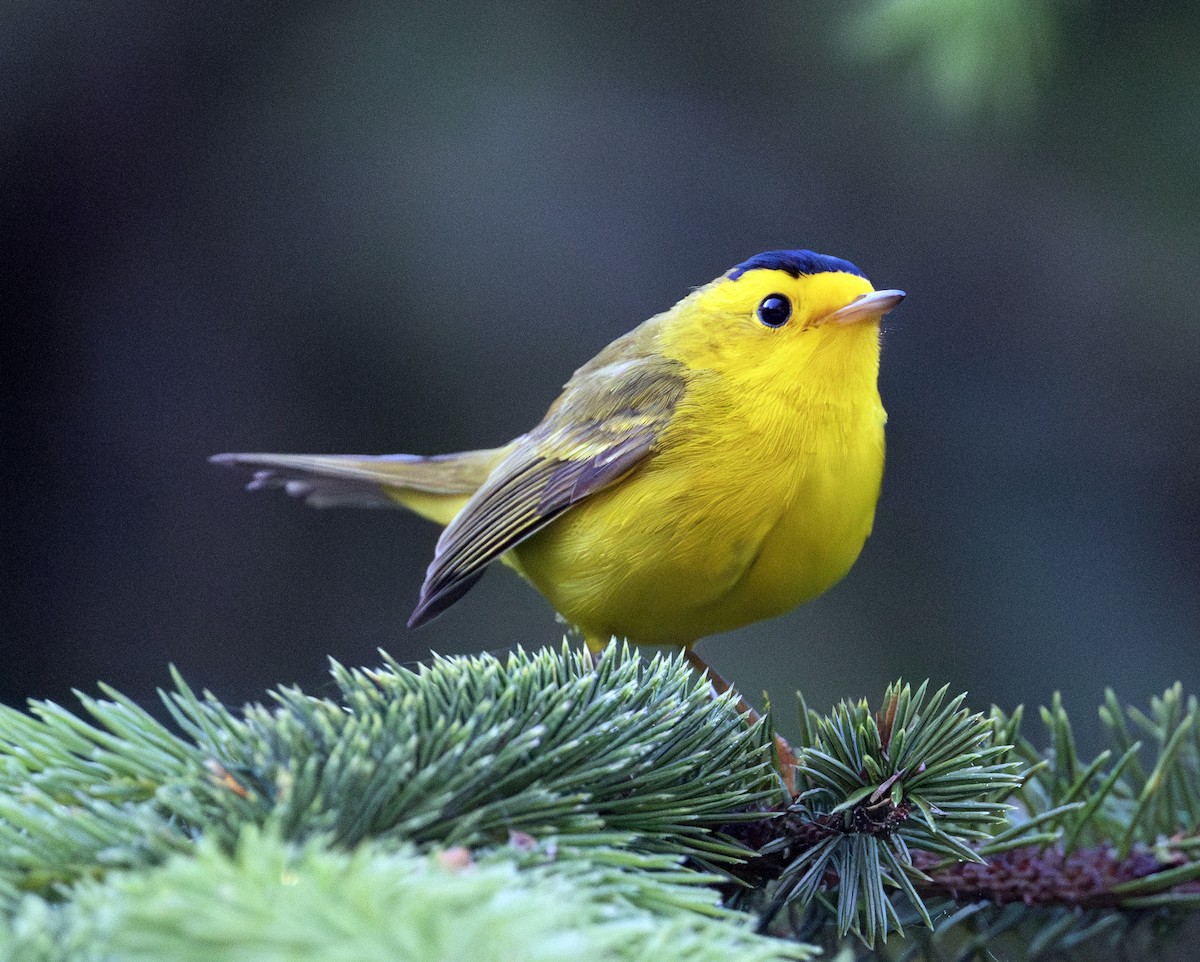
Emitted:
<point x="1034" y="875"/>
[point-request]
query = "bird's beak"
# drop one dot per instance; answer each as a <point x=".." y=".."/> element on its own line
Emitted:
<point x="865" y="307"/>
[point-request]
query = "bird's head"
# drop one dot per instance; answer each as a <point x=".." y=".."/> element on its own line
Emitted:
<point x="785" y="319"/>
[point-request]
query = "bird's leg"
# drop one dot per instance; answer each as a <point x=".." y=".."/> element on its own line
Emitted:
<point x="786" y="754"/>
<point x="720" y="685"/>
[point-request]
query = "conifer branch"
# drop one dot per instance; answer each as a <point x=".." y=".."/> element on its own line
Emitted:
<point x="1063" y="852"/>
<point x="917" y="829"/>
<point x="1087" y="878"/>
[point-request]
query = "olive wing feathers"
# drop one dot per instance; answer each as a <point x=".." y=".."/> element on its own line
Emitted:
<point x="608" y="420"/>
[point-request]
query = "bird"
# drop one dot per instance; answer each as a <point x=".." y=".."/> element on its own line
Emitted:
<point x="717" y="465"/>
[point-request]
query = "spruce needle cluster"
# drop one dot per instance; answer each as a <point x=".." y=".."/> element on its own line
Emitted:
<point x="543" y="803"/>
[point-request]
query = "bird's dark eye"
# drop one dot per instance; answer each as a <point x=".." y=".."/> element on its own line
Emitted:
<point x="774" y="310"/>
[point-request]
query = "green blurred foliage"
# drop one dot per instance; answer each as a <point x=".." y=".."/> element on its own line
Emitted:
<point x="978" y="57"/>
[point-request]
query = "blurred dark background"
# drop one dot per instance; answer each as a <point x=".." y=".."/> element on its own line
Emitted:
<point x="391" y="227"/>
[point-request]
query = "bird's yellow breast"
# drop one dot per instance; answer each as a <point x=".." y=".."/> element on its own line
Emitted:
<point x="760" y="498"/>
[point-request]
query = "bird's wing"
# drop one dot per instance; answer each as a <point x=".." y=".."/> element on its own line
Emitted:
<point x="607" y="421"/>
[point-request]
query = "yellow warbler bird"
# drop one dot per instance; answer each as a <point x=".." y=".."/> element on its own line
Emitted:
<point x="717" y="465"/>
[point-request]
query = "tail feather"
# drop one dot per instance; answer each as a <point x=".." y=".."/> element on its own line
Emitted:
<point x="434" y="487"/>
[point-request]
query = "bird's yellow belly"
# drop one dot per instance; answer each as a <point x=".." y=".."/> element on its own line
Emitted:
<point x="707" y="541"/>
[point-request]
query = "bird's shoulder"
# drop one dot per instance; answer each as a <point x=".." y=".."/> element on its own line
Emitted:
<point x="629" y="383"/>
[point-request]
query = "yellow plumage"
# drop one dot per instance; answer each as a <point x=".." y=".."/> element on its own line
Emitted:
<point x="717" y="465"/>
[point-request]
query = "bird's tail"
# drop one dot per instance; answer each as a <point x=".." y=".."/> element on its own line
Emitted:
<point x="434" y="487"/>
